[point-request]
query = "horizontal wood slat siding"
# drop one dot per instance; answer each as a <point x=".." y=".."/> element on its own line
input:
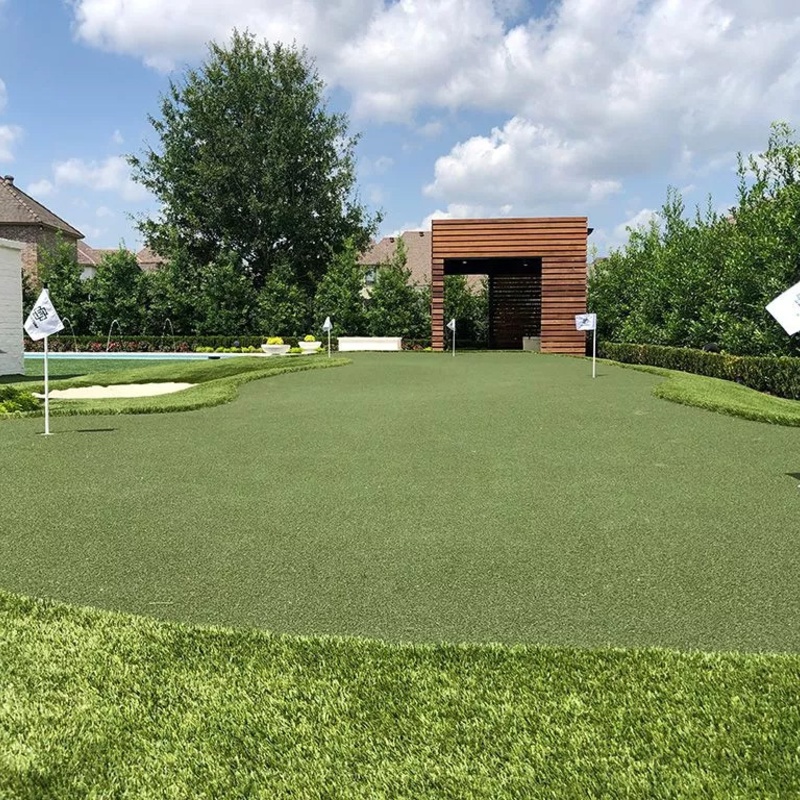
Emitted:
<point x="559" y="241"/>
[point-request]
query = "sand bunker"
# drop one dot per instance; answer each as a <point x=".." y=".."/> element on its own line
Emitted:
<point x="120" y="390"/>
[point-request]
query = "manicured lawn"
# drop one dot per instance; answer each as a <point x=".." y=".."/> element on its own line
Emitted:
<point x="491" y="497"/>
<point x="96" y="705"/>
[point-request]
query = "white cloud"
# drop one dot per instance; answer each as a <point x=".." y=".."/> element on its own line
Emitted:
<point x="117" y="137"/>
<point x="104" y="211"/>
<point x="9" y="135"/>
<point x="521" y="165"/>
<point x="110" y="175"/>
<point x="593" y="92"/>
<point x="42" y="188"/>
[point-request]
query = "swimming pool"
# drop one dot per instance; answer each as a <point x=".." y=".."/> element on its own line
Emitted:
<point x="138" y="356"/>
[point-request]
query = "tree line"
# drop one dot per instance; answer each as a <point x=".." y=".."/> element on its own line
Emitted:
<point x="217" y="300"/>
<point x="704" y="280"/>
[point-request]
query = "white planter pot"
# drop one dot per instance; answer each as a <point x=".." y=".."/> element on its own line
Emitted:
<point x="275" y="349"/>
<point x="309" y="347"/>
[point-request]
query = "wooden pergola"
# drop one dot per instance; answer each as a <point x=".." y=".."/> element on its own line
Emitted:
<point x="537" y="277"/>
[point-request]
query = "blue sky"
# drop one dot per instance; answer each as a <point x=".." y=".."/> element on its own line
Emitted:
<point x="466" y="107"/>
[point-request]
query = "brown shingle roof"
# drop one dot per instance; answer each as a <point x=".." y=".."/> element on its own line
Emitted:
<point x="418" y="250"/>
<point x="90" y="256"/>
<point x="18" y="208"/>
<point x="149" y="260"/>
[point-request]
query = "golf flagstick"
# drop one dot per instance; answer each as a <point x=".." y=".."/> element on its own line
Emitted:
<point x="328" y="326"/>
<point x="452" y="326"/>
<point x="588" y="322"/>
<point x="43" y="321"/>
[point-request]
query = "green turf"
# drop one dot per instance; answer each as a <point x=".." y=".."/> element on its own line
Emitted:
<point x="96" y="705"/>
<point x="214" y="382"/>
<point x="490" y="497"/>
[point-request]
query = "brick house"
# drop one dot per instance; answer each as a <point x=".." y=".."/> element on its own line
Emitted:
<point x="23" y="219"/>
<point x="418" y="259"/>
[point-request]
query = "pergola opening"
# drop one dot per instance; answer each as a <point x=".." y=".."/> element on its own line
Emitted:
<point x="536" y="268"/>
<point x="515" y="298"/>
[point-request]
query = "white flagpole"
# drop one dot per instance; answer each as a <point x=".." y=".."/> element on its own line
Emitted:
<point x="329" y="344"/>
<point x="454" y="341"/>
<point x="594" y="352"/>
<point x="46" y="392"/>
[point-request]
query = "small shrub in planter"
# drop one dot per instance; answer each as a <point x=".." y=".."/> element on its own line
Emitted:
<point x="274" y="340"/>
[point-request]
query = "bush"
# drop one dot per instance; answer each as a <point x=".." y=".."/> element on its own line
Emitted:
<point x="776" y="375"/>
<point x="14" y="400"/>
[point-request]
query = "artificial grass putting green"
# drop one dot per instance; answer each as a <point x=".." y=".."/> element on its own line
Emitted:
<point x="490" y="497"/>
<point x="98" y="705"/>
<point x="215" y="382"/>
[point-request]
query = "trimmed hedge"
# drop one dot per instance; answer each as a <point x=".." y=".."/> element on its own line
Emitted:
<point x="776" y="375"/>
<point x="179" y="344"/>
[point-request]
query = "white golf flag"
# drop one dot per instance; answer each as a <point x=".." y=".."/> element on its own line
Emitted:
<point x="786" y="309"/>
<point x="327" y="325"/>
<point x="585" y="322"/>
<point x="451" y="325"/>
<point x="43" y="319"/>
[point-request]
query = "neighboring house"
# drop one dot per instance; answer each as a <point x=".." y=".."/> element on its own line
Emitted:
<point x="148" y="260"/>
<point x="11" y="357"/>
<point x="89" y="258"/>
<point x="418" y="257"/>
<point x="25" y="220"/>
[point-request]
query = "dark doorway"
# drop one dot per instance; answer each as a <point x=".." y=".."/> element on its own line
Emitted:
<point x="515" y="296"/>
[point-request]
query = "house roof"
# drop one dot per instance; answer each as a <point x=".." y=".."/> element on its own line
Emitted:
<point x="90" y="256"/>
<point x="18" y="208"/>
<point x="418" y="250"/>
<point x="148" y="259"/>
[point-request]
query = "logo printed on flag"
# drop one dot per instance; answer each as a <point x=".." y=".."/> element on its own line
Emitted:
<point x="452" y="324"/>
<point x="585" y="322"/>
<point x="43" y="319"/>
<point x="786" y="309"/>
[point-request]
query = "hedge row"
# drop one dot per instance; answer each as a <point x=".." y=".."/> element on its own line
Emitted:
<point x="180" y="344"/>
<point x="776" y="375"/>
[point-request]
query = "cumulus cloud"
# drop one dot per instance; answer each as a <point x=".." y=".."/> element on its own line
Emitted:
<point x="520" y="165"/>
<point x="110" y="175"/>
<point x="591" y="91"/>
<point x="9" y="134"/>
<point x="42" y="188"/>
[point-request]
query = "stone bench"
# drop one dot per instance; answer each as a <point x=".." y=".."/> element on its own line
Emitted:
<point x="352" y="343"/>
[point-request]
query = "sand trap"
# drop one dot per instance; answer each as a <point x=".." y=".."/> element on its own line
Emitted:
<point x="120" y="390"/>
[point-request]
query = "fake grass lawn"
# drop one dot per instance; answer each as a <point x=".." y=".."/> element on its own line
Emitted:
<point x="101" y="705"/>
<point x="490" y="497"/>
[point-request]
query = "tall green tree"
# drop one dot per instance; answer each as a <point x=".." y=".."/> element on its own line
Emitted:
<point x="690" y="281"/>
<point x="118" y="292"/>
<point x="58" y="268"/>
<point x="396" y="307"/>
<point x="250" y="161"/>
<point x="284" y="309"/>
<point x="339" y="294"/>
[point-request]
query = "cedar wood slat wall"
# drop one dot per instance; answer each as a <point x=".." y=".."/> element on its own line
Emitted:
<point x="559" y="241"/>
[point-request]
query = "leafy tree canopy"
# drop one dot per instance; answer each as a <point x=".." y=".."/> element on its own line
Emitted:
<point x="250" y="162"/>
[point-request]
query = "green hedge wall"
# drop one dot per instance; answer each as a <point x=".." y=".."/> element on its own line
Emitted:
<point x="777" y="375"/>
<point x="180" y="344"/>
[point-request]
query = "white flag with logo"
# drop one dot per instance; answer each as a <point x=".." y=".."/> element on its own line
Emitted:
<point x="327" y="325"/>
<point x="786" y="309"/>
<point x="451" y="325"/>
<point x="585" y="322"/>
<point x="43" y="319"/>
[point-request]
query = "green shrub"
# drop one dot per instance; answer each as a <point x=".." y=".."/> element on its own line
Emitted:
<point x="777" y="375"/>
<point x="274" y="340"/>
<point x="309" y="338"/>
<point x="295" y="350"/>
<point x="14" y="400"/>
